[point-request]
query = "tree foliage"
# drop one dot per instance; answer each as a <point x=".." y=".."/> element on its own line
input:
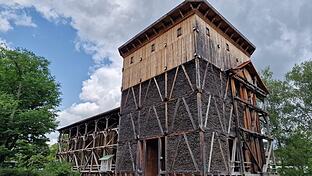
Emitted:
<point x="29" y="96"/>
<point x="290" y="108"/>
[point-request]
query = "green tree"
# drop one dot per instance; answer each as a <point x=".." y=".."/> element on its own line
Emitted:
<point x="29" y="96"/>
<point x="300" y="80"/>
<point x="296" y="154"/>
<point x="54" y="167"/>
<point x="290" y="108"/>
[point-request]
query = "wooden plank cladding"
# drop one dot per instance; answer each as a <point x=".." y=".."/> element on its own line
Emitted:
<point x="214" y="46"/>
<point x="167" y="51"/>
<point x="174" y="16"/>
<point x="163" y="53"/>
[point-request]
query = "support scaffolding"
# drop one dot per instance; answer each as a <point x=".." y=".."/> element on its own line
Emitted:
<point x="85" y="142"/>
<point x="256" y="154"/>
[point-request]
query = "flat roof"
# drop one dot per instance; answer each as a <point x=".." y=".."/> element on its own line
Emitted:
<point x="175" y="15"/>
<point x="112" y="111"/>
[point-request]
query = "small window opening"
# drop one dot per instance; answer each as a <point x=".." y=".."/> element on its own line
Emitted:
<point x="153" y="48"/>
<point x="237" y="60"/>
<point x="179" y="32"/>
<point x="227" y="47"/>
<point x="218" y="46"/>
<point x="131" y="60"/>
<point x="207" y="31"/>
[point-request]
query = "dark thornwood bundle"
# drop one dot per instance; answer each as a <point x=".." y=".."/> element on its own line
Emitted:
<point x="190" y="120"/>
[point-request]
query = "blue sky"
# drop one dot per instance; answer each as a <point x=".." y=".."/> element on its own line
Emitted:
<point x="54" y="41"/>
<point x="81" y="38"/>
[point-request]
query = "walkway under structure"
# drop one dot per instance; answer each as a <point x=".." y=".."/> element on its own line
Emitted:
<point x="84" y="143"/>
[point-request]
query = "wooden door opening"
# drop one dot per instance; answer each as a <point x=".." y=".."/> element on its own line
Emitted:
<point x="151" y="158"/>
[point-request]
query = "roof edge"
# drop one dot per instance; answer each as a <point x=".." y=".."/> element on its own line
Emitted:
<point x="188" y="6"/>
<point x="89" y="118"/>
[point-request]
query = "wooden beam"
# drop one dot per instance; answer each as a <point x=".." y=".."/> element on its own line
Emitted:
<point x="233" y="155"/>
<point x="146" y="36"/>
<point x="198" y="6"/>
<point x="230" y="120"/>
<point x="154" y="30"/>
<point x="213" y="19"/>
<point x="171" y="19"/>
<point x="207" y="12"/>
<point x="187" y="77"/>
<point x="207" y="111"/>
<point x="189" y="113"/>
<point x="249" y="85"/>
<point x="232" y="35"/>
<point x="159" y="92"/>
<point x="158" y="120"/>
<point x="174" y="80"/>
<point x="219" y="24"/>
<point x="222" y="154"/>
<point x="182" y="16"/>
<point x="190" y="152"/>
<point x="226" y="30"/>
<point x="191" y="5"/>
<point x="238" y="40"/>
<point x="210" y="153"/>
<point x="139" y="41"/>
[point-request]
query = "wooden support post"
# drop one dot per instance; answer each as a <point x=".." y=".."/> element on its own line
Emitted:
<point x="233" y="156"/>
<point x="211" y="149"/>
<point x="207" y="111"/>
<point x="240" y="151"/>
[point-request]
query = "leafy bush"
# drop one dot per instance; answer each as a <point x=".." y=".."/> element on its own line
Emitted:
<point x="17" y="172"/>
<point x="57" y="168"/>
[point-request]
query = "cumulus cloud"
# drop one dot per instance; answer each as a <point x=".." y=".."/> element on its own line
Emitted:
<point x="281" y="30"/>
<point x="4" y="24"/>
<point x="99" y="93"/>
<point x="10" y="16"/>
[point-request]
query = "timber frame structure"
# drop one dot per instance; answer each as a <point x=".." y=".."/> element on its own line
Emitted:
<point x="192" y="104"/>
<point x="196" y="120"/>
<point x="83" y="143"/>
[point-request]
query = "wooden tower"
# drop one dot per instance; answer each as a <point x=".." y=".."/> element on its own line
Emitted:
<point x="192" y="102"/>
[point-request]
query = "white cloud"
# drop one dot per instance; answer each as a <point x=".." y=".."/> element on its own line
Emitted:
<point x="281" y="31"/>
<point x="100" y="92"/>
<point x="10" y="16"/>
<point x="102" y="26"/>
<point x="4" y="24"/>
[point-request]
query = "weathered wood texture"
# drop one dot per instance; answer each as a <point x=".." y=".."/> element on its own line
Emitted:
<point x="83" y="144"/>
<point x="192" y="108"/>
<point x="170" y="51"/>
<point x="198" y="37"/>
<point x="216" y="47"/>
